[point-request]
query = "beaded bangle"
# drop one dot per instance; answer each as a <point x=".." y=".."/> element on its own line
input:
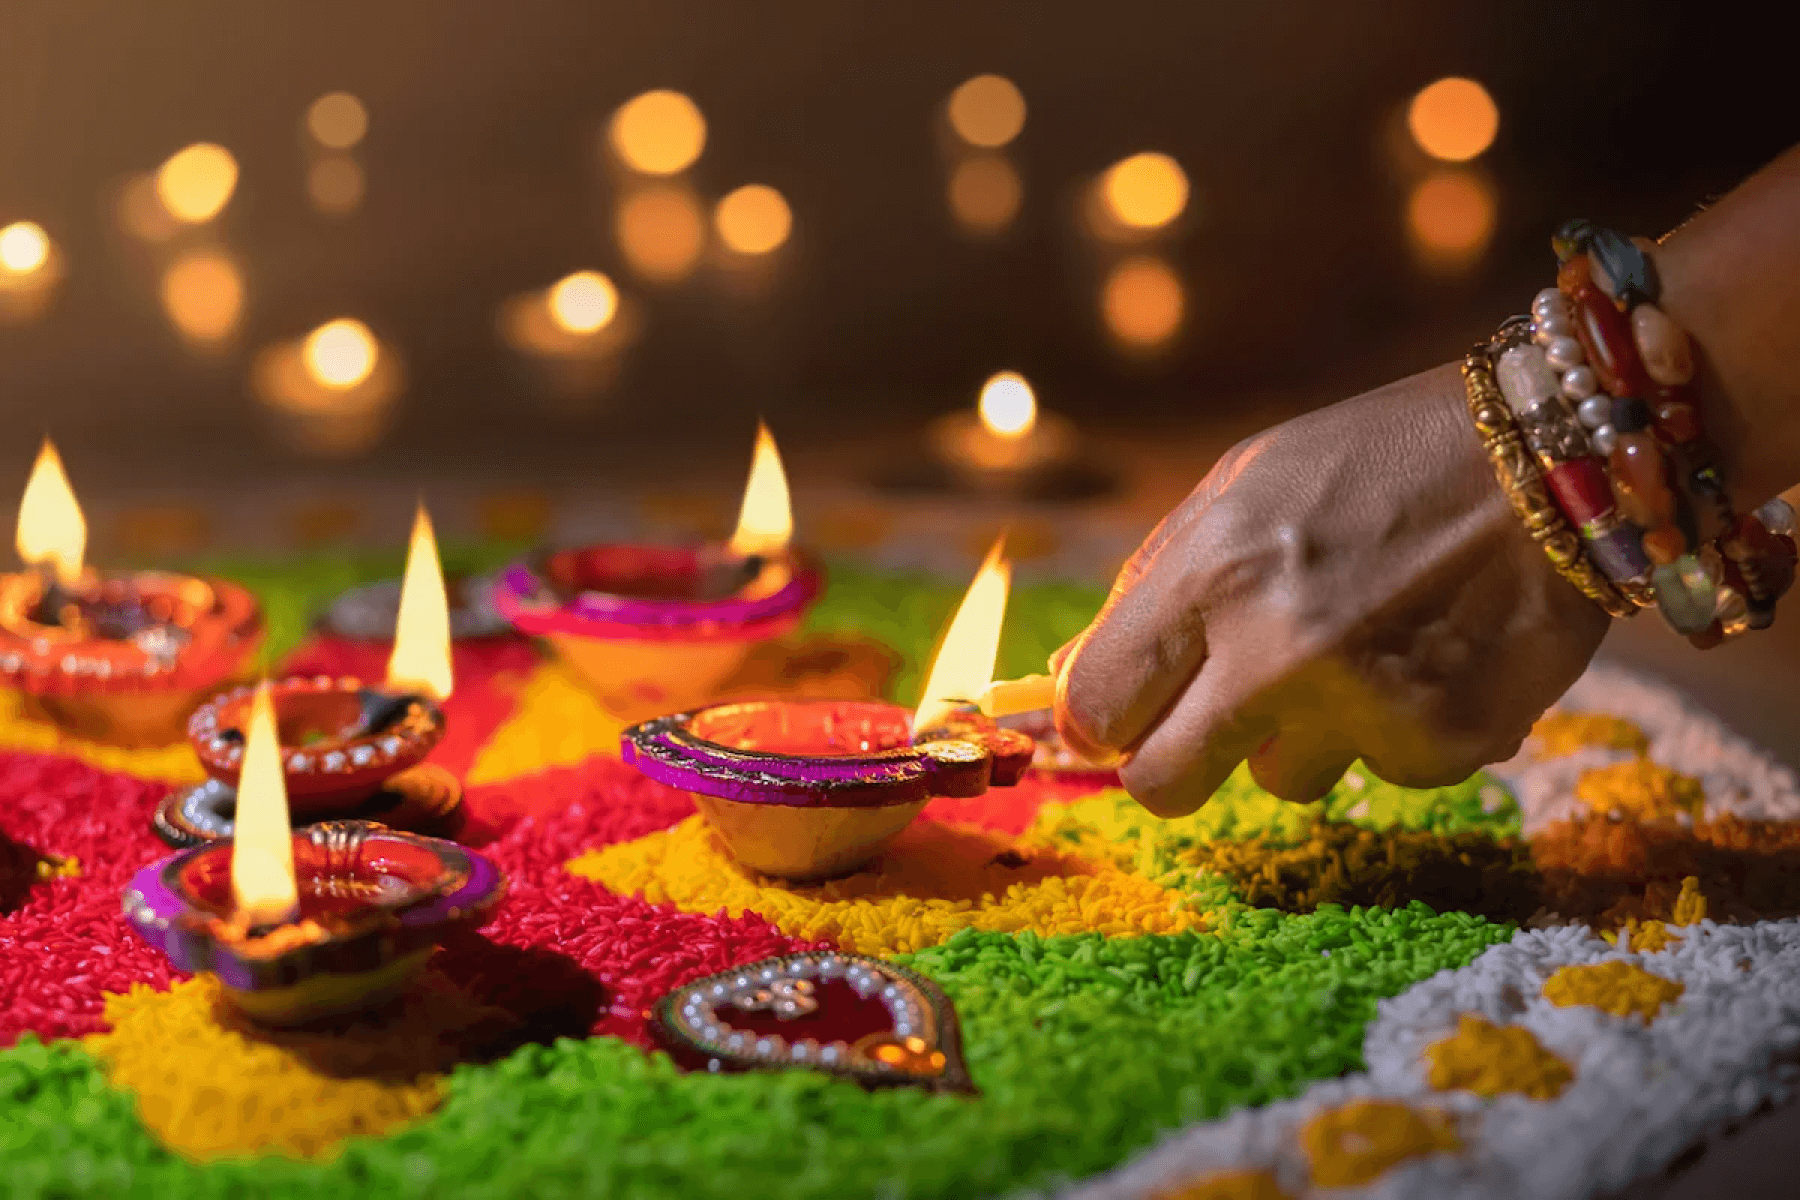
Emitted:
<point x="1517" y="471"/>
<point x="1607" y="348"/>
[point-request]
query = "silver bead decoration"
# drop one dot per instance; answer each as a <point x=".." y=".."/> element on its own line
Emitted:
<point x="1595" y="411"/>
<point x="1578" y="383"/>
<point x="1563" y="353"/>
<point x="1604" y="439"/>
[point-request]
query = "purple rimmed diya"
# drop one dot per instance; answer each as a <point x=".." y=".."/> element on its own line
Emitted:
<point x="347" y="749"/>
<point x="810" y="789"/>
<point x="872" y="1021"/>
<point x="655" y="629"/>
<point x="374" y="903"/>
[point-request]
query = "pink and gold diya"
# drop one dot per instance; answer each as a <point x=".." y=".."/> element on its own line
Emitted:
<point x="652" y="629"/>
<point x="809" y="789"/>
<point x="1026" y="705"/>
<point x="347" y="748"/>
<point x="302" y="926"/>
<point x="862" y="1018"/>
<point x="120" y="658"/>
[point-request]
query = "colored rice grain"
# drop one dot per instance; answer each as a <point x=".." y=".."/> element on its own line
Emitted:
<point x="20" y="732"/>
<point x="1641" y="789"/>
<point x="1230" y="1185"/>
<point x="1560" y="734"/>
<point x="1362" y="1140"/>
<point x="210" y="1085"/>
<point x="1490" y="1059"/>
<point x="556" y="722"/>
<point x="1347" y="865"/>
<point x="933" y="881"/>
<point x="1615" y="986"/>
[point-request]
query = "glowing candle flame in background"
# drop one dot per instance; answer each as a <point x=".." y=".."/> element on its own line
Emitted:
<point x="1142" y="302"/>
<point x="51" y="528"/>
<point x="340" y="354"/>
<point x="583" y="302"/>
<point x="1145" y="191"/>
<point x="203" y="295"/>
<point x="196" y="183"/>
<point x="987" y="111"/>
<point x="24" y="247"/>
<point x="1453" y="120"/>
<point x="754" y="219"/>
<point x="421" y="658"/>
<point x="964" y="666"/>
<point x="337" y="120"/>
<point x="263" y="888"/>
<point x="766" y="518"/>
<point x="1007" y="406"/>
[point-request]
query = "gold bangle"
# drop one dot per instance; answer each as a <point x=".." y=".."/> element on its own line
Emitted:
<point x="1519" y="477"/>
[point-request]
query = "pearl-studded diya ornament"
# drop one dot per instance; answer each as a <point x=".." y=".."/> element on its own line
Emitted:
<point x="120" y="658"/>
<point x="872" y="1021"/>
<point x="347" y="749"/>
<point x="307" y="925"/>
<point x="652" y="629"/>
<point x="810" y="789"/>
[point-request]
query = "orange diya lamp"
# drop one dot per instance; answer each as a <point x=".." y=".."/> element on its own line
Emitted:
<point x="305" y="925"/>
<point x="654" y="629"/>
<point x="117" y="657"/>
<point x="347" y="748"/>
<point x="810" y="789"/>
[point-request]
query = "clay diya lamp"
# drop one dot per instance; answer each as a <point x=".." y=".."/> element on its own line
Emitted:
<point x="373" y="904"/>
<point x="346" y="749"/>
<point x="1025" y="705"/>
<point x="811" y="789"/>
<point x="861" y="1018"/>
<point x="653" y="629"/>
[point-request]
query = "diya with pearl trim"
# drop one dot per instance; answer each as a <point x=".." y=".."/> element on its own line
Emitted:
<point x="656" y="629"/>
<point x="872" y="1021"/>
<point x="373" y="903"/>
<point x="346" y="748"/>
<point x="119" y="658"/>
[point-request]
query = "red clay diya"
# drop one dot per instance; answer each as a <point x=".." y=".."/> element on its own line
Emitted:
<point x="374" y="903"/>
<point x="124" y="658"/>
<point x="809" y="789"/>
<point x="872" y="1021"/>
<point x="656" y="629"/>
<point x="346" y="749"/>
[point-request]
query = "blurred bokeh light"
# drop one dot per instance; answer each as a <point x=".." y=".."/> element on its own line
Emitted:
<point x="203" y="294"/>
<point x="1145" y="191"/>
<point x="335" y="184"/>
<point x="661" y="232"/>
<point x="754" y="219"/>
<point x="196" y="183"/>
<point x="337" y="120"/>
<point x="658" y="133"/>
<point x="340" y="354"/>
<point x="1454" y="119"/>
<point x="987" y="111"/>
<point x="1007" y="406"/>
<point x="985" y="193"/>
<point x="1450" y="218"/>
<point x="1142" y="302"/>
<point x="583" y="302"/>
<point x="24" y="248"/>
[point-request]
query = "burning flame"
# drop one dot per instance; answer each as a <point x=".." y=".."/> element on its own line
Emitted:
<point x="51" y="528"/>
<point x="1007" y="406"/>
<point x="421" y="659"/>
<point x="766" y="520"/>
<point x="964" y="665"/>
<point x="263" y="887"/>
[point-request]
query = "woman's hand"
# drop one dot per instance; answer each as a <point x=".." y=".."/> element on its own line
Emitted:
<point x="1350" y="584"/>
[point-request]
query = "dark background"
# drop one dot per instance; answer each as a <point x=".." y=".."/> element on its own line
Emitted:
<point x="484" y="179"/>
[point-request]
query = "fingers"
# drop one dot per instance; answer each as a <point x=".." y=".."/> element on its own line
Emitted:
<point x="1128" y="667"/>
<point x="1301" y="766"/>
<point x="1196" y="746"/>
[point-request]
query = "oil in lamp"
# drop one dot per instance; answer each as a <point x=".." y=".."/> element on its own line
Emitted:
<point x="810" y="789"/>
<point x="347" y="748"/>
<point x="656" y="629"/>
<point x="121" y="658"/>
<point x="304" y="925"/>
